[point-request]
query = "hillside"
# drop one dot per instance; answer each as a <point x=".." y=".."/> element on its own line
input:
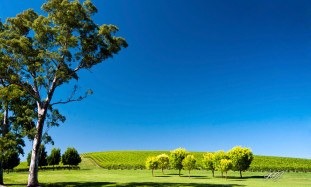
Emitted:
<point x="136" y="160"/>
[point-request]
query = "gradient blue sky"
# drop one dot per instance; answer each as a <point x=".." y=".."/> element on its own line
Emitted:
<point x="203" y="75"/>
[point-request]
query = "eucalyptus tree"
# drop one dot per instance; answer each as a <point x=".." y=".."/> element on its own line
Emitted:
<point x="40" y="53"/>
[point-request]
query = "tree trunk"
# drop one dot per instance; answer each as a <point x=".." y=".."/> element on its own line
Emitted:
<point x="179" y="172"/>
<point x="5" y="128"/>
<point x="162" y="171"/>
<point x="226" y="175"/>
<point x="213" y="173"/>
<point x="1" y="173"/>
<point x="152" y="172"/>
<point x="189" y="173"/>
<point x="33" y="168"/>
<point x="222" y="174"/>
<point x="241" y="173"/>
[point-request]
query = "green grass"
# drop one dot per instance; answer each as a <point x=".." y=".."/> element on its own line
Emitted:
<point x="136" y="159"/>
<point x="104" y="177"/>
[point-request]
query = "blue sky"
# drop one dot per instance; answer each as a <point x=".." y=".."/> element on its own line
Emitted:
<point x="203" y="75"/>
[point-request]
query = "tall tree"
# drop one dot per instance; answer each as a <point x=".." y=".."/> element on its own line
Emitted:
<point x="40" y="53"/>
<point x="176" y="158"/>
<point x="241" y="158"/>
<point x="71" y="157"/>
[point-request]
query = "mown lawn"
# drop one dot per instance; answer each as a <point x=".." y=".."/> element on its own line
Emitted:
<point x="103" y="177"/>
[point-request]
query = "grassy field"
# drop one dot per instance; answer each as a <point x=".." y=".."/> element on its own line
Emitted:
<point x="91" y="175"/>
<point x="136" y="159"/>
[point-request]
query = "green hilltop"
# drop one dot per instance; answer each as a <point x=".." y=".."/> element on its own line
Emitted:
<point x="136" y="160"/>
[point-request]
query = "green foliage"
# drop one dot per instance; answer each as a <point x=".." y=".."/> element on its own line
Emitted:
<point x="225" y="165"/>
<point x="42" y="156"/>
<point x="208" y="162"/>
<point x="137" y="159"/>
<point x="241" y="158"/>
<point x="24" y="167"/>
<point x="10" y="160"/>
<point x="71" y="157"/>
<point x="189" y="162"/>
<point x="217" y="158"/>
<point x="152" y="163"/>
<point x="176" y="158"/>
<point x="29" y="158"/>
<point x="55" y="157"/>
<point x="39" y="53"/>
<point x="163" y="161"/>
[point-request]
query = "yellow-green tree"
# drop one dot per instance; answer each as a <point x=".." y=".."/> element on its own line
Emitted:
<point x="225" y="165"/>
<point x="217" y="158"/>
<point x="208" y="162"/>
<point x="176" y="158"/>
<point x="152" y="163"/>
<point x="189" y="163"/>
<point x="163" y="161"/>
<point x="241" y="158"/>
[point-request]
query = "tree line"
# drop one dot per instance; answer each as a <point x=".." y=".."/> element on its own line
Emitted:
<point x="236" y="159"/>
<point x="71" y="157"/>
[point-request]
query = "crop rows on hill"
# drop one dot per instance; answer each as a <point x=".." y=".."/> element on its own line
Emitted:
<point x="136" y="160"/>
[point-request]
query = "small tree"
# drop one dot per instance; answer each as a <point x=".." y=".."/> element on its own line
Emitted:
<point x="241" y="158"/>
<point x="217" y="158"/>
<point x="189" y="163"/>
<point x="152" y="163"/>
<point x="54" y="157"/>
<point x="163" y="161"/>
<point x="10" y="160"/>
<point x="225" y="165"/>
<point x="71" y="157"/>
<point x="29" y="158"/>
<point x="42" y="156"/>
<point x="208" y="162"/>
<point x="176" y="158"/>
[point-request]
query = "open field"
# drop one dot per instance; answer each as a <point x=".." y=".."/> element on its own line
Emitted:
<point x="136" y="159"/>
<point x="104" y="177"/>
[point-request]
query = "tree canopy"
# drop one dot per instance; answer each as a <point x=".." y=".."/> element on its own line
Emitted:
<point x="39" y="53"/>
<point x="71" y="157"/>
<point x="241" y="158"/>
<point x="176" y="158"/>
<point x="189" y="163"/>
<point x="152" y="163"/>
<point x="208" y="162"/>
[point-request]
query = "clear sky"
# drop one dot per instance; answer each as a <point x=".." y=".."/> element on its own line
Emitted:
<point x="202" y="75"/>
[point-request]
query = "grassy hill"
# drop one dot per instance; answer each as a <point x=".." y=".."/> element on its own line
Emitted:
<point x="136" y="160"/>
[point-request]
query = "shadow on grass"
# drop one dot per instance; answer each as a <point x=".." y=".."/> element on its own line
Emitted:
<point x="176" y="184"/>
<point x="162" y="176"/>
<point x="241" y="179"/>
<point x="196" y="176"/>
